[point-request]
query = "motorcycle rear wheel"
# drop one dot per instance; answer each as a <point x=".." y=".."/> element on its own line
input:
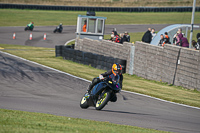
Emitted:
<point x="103" y="100"/>
<point x="83" y="103"/>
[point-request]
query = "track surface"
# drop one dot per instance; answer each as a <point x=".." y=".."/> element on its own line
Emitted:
<point x="22" y="37"/>
<point x="31" y="87"/>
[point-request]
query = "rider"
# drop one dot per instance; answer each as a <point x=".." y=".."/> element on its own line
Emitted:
<point x="116" y="70"/>
<point x="60" y="27"/>
<point x="30" y="25"/>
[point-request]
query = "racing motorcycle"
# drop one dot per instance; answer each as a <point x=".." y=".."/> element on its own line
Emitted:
<point x="102" y="93"/>
<point x="58" y="29"/>
<point x="28" y="28"/>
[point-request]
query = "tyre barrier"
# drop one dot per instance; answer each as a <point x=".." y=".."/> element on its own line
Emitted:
<point x="103" y="9"/>
<point x="87" y="58"/>
<point x="59" y="49"/>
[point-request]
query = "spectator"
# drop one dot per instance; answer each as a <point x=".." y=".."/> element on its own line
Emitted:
<point x="166" y="38"/>
<point x="147" y="36"/>
<point x="182" y="41"/>
<point x="161" y="40"/>
<point x="84" y="28"/>
<point x="195" y="45"/>
<point x="126" y="37"/>
<point x="117" y="39"/>
<point x="112" y="37"/>
<point x="153" y="33"/>
<point x="115" y="31"/>
<point x="175" y="38"/>
<point x="198" y="38"/>
<point x="179" y="31"/>
<point x="121" y="38"/>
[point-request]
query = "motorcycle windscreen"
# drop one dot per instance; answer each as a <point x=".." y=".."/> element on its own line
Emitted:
<point x="97" y="88"/>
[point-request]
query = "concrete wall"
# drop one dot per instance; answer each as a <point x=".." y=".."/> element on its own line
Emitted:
<point x="172" y="64"/>
<point x="188" y="71"/>
<point x="106" y="48"/>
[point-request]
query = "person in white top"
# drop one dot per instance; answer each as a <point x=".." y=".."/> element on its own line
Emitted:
<point x="153" y="33"/>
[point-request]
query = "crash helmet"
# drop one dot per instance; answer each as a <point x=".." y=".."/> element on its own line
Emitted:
<point x="32" y="22"/>
<point x="116" y="69"/>
<point x="60" y="23"/>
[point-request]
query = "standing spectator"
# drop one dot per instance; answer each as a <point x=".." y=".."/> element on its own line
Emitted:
<point x="198" y="38"/>
<point x="161" y="40"/>
<point x="84" y="28"/>
<point x="179" y="31"/>
<point x="126" y="37"/>
<point x="153" y="33"/>
<point x="112" y="37"/>
<point x="121" y="38"/>
<point x="117" y="39"/>
<point x="175" y="38"/>
<point x="166" y="38"/>
<point x="147" y="36"/>
<point x="195" y="45"/>
<point x="182" y="41"/>
<point x="115" y="31"/>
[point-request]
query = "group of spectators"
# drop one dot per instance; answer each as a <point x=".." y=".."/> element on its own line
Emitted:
<point x="179" y="39"/>
<point x="119" y="38"/>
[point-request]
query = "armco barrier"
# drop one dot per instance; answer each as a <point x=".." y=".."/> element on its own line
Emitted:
<point x="104" y="9"/>
<point x="87" y="58"/>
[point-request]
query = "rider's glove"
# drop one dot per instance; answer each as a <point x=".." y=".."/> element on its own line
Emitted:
<point x="101" y="77"/>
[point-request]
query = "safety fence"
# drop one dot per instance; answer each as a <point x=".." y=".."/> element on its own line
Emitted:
<point x="87" y="58"/>
<point x="104" y="9"/>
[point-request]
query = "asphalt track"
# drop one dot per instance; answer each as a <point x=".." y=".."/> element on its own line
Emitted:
<point x="31" y="87"/>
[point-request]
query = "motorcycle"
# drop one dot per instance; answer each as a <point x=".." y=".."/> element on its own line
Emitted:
<point x="102" y="93"/>
<point x="28" y="28"/>
<point x="58" y="29"/>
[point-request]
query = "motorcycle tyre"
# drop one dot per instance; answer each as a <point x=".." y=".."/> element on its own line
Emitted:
<point x="55" y="31"/>
<point x="83" y="103"/>
<point x="26" y="29"/>
<point x="104" y="102"/>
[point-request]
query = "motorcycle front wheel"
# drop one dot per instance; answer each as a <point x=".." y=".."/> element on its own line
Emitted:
<point x="83" y="103"/>
<point x="103" y="99"/>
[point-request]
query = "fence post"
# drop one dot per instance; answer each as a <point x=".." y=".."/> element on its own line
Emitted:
<point x="131" y="66"/>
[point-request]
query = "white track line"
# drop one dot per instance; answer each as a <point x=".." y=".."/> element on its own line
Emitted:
<point x="90" y="81"/>
<point x="69" y="41"/>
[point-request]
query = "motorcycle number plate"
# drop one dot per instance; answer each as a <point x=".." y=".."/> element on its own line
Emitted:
<point x="110" y="82"/>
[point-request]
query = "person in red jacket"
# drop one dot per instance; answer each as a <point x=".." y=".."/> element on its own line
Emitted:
<point x="84" y="29"/>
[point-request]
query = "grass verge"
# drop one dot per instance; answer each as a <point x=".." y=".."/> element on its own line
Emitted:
<point x="26" y="122"/>
<point x="46" y="56"/>
<point x="15" y="17"/>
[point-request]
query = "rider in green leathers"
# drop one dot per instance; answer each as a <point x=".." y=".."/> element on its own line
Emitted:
<point x="30" y="25"/>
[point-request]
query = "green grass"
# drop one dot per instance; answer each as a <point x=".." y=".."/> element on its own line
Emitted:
<point x="46" y="56"/>
<point x="14" y="17"/>
<point x="28" y="122"/>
